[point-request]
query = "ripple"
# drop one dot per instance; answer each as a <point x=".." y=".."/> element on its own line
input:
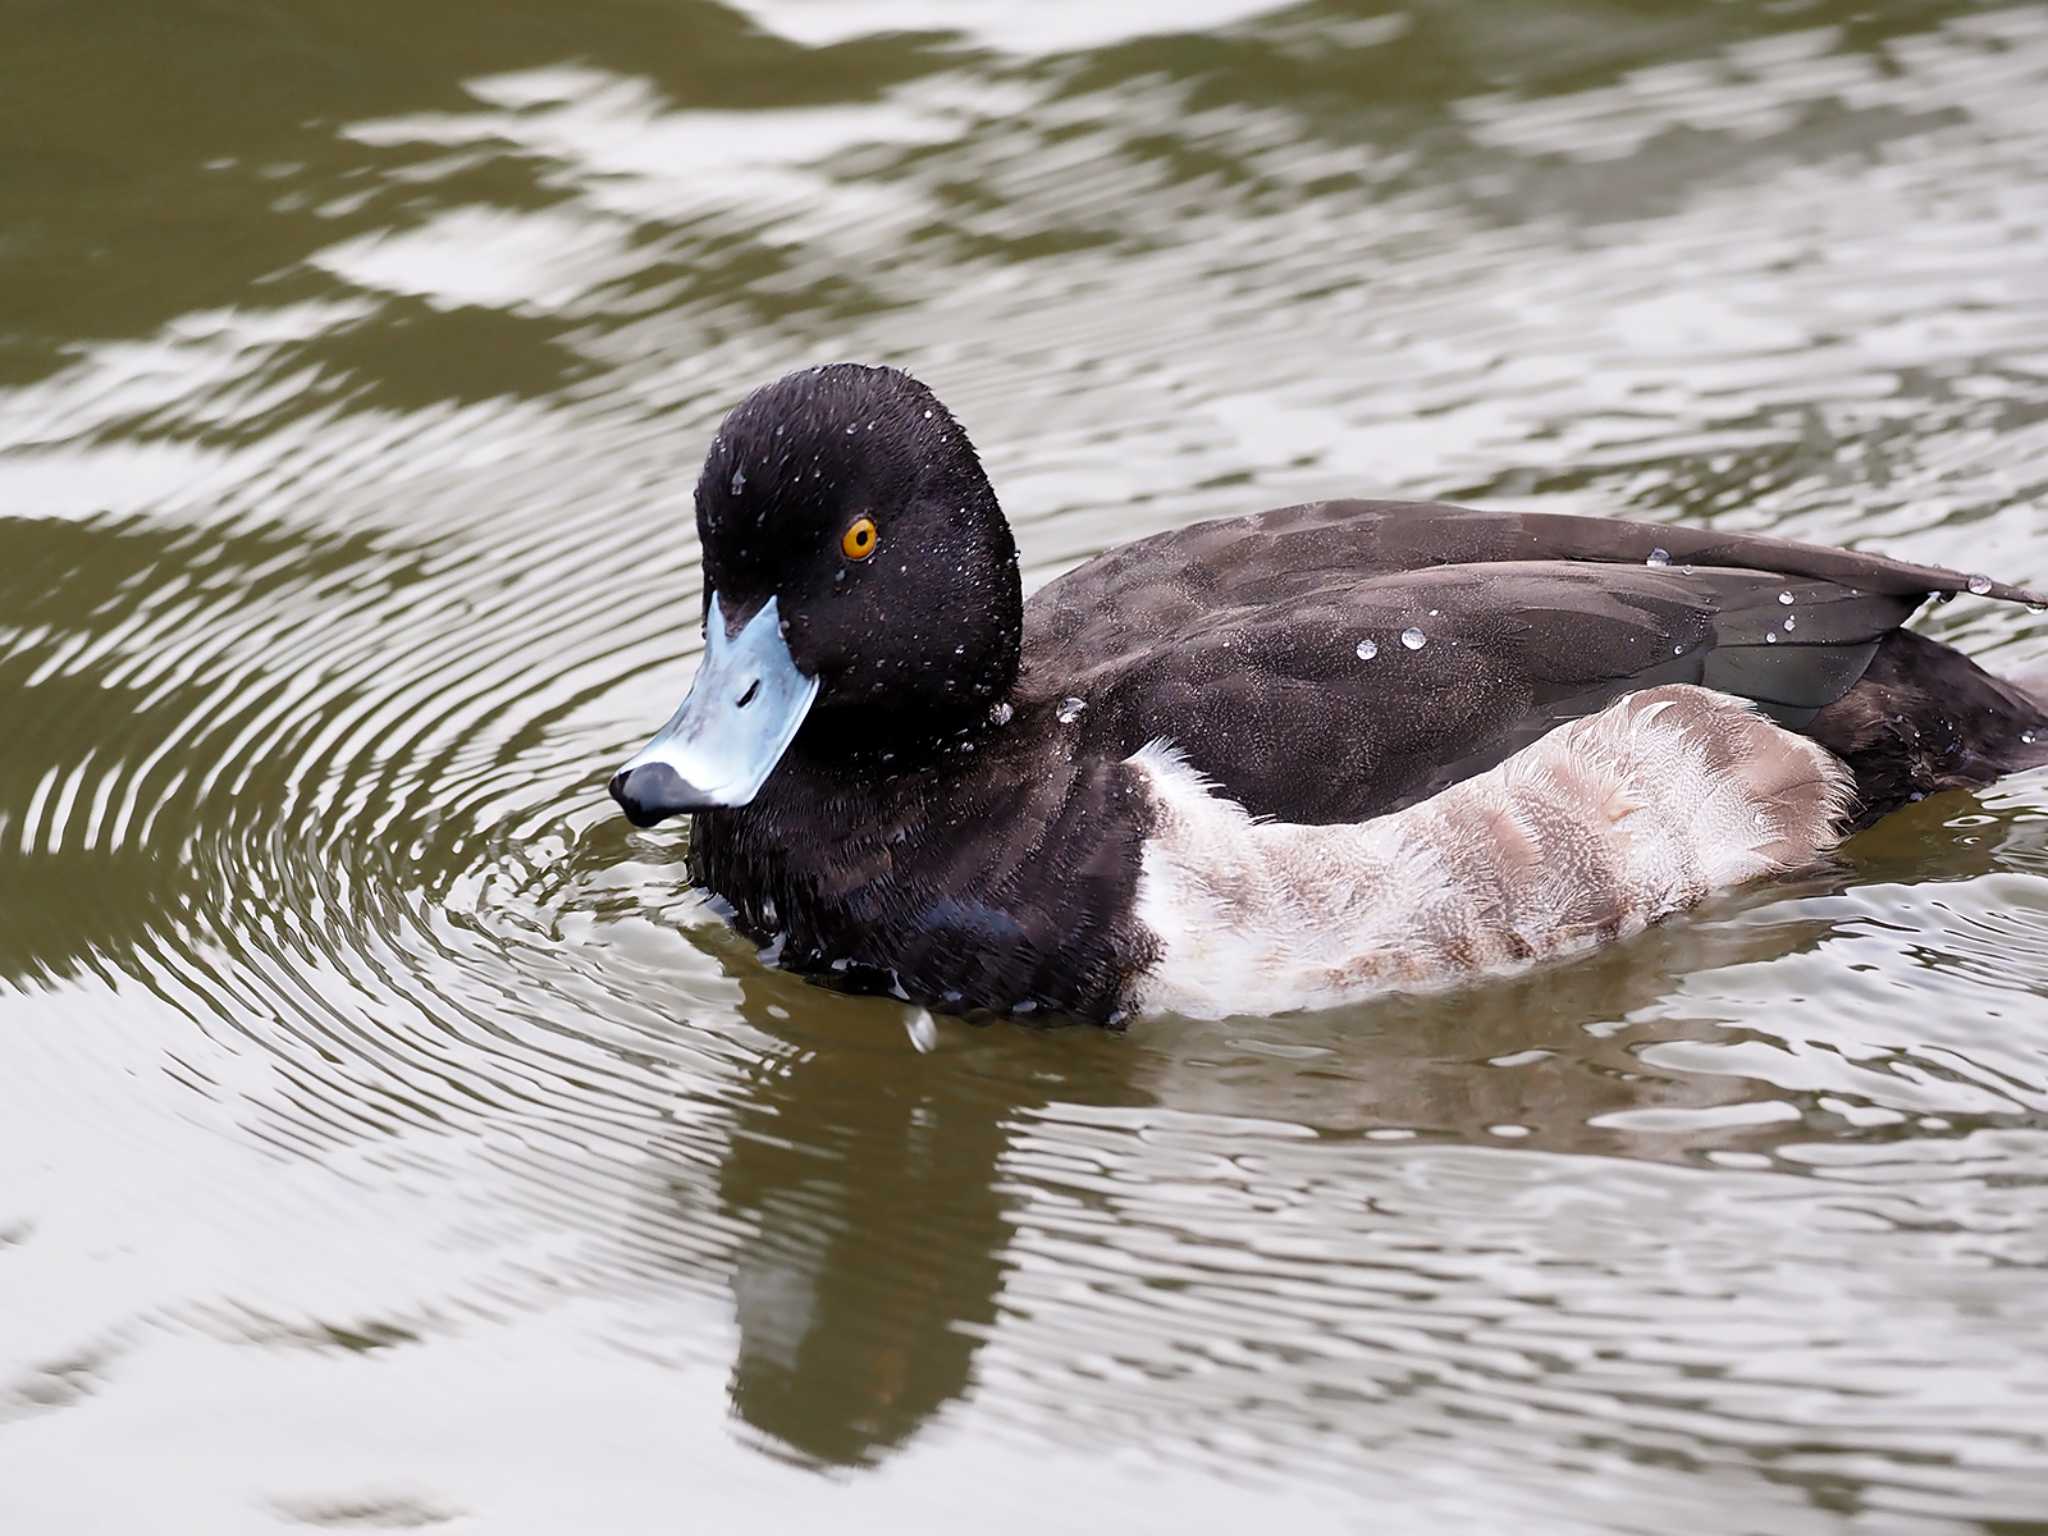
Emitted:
<point x="363" y="1071"/>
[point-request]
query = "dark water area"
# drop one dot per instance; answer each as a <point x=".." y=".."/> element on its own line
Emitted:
<point x="390" y="1141"/>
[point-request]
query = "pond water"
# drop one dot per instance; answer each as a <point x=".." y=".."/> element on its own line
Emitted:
<point x="389" y="1140"/>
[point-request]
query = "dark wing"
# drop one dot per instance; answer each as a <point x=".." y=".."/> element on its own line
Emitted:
<point x="1239" y="640"/>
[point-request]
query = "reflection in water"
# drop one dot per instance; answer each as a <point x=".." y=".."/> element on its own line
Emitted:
<point x="877" y="1196"/>
<point x="867" y="1182"/>
<point x="391" y="1137"/>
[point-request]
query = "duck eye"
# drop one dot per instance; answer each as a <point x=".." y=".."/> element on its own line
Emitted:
<point x="860" y="538"/>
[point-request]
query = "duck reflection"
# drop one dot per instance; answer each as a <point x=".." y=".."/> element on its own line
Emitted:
<point x="874" y="1193"/>
<point x="1552" y="1058"/>
<point x="866" y="1178"/>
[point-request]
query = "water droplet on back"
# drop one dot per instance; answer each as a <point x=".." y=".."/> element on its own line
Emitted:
<point x="1367" y="649"/>
<point x="1771" y="638"/>
<point x="739" y="482"/>
<point x="1414" y="638"/>
<point x="1001" y="714"/>
<point x="1070" y="710"/>
<point x="1659" y="557"/>
<point x="1785" y="598"/>
<point x="1791" y="623"/>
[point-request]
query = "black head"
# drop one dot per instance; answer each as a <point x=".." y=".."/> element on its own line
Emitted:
<point x="849" y="499"/>
<point x="852" y="497"/>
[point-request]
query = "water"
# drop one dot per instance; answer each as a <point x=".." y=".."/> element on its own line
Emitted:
<point x="390" y="1140"/>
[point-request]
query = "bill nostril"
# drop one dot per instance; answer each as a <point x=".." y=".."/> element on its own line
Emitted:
<point x="748" y="697"/>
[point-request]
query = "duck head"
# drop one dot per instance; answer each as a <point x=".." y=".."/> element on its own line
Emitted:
<point x="860" y="589"/>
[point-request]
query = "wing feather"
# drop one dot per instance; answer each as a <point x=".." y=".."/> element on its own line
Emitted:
<point x="1241" y="639"/>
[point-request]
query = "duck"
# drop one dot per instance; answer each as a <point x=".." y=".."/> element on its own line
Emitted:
<point x="1267" y="763"/>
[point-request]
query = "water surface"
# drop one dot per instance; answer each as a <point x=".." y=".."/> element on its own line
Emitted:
<point x="391" y="1141"/>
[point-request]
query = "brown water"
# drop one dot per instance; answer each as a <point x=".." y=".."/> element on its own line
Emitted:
<point x="389" y="1140"/>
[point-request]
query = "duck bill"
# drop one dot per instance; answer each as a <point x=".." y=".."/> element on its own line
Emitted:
<point x="739" y="718"/>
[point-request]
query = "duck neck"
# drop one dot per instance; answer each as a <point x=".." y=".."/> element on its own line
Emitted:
<point x="912" y="732"/>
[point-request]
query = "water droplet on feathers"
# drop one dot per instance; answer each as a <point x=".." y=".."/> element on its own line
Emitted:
<point x="1659" y="557"/>
<point x="1367" y="649"/>
<point x="739" y="482"/>
<point x="1785" y="598"/>
<point x="1414" y="638"/>
<point x="1979" y="585"/>
<point x="1070" y="710"/>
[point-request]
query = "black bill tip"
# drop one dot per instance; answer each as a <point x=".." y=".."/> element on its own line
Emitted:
<point x="653" y="792"/>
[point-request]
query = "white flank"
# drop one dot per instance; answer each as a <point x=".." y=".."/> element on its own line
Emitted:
<point x="1593" y="832"/>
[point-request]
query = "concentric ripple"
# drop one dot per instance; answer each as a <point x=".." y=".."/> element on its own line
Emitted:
<point x="393" y="1140"/>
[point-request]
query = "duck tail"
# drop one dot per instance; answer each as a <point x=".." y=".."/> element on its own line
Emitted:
<point x="1925" y="718"/>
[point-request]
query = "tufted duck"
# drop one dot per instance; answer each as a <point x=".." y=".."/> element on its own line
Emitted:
<point x="1264" y="763"/>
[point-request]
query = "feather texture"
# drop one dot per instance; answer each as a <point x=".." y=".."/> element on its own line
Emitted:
<point x="1597" y="830"/>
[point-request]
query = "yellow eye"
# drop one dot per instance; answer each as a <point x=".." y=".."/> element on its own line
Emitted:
<point x="860" y="539"/>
